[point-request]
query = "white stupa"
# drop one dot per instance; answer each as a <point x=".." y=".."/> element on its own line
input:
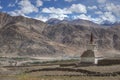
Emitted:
<point x="90" y="55"/>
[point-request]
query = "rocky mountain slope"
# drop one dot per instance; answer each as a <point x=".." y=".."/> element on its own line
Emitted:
<point x="77" y="33"/>
<point x="80" y="22"/>
<point x="21" y="36"/>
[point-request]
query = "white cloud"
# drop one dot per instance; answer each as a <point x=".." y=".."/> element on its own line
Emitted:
<point x="45" y="18"/>
<point x="113" y="8"/>
<point x="61" y="17"/>
<point x="97" y="20"/>
<point x="92" y="7"/>
<point x="11" y="5"/>
<point x="42" y="18"/>
<point x="108" y="16"/>
<point x="82" y="16"/>
<point x="13" y="13"/>
<point x="99" y="12"/>
<point x="47" y="0"/>
<point x="60" y="13"/>
<point x="56" y="10"/>
<point x="78" y="8"/>
<point x="88" y="17"/>
<point x="16" y="1"/>
<point x="16" y="13"/>
<point x="39" y="3"/>
<point x="1" y="7"/>
<point x="101" y="1"/>
<point x="110" y="11"/>
<point x="26" y="7"/>
<point x="69" y="0"/>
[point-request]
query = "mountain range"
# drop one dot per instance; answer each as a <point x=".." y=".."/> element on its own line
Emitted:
<point x="21" y="36"/>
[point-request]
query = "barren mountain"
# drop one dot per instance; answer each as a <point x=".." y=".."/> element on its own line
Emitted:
<point x="80" y="22"/>
<point x="21" y="36"/>
<point x="77" y="33"/>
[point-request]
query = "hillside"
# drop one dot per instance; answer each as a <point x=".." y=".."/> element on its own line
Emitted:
<point x="23" y="36"/>
<point x="29" y="37"/>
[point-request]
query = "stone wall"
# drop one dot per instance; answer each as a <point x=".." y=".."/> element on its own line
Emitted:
<point x="108" y="61"/>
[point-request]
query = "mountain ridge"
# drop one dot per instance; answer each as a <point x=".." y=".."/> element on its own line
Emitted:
<point x="29" y="37"/>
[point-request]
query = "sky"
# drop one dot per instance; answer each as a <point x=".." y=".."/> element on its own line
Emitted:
<point x="98" y="11"/>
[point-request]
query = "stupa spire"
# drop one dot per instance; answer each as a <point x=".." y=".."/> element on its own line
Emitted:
<point x="91" y="38"/>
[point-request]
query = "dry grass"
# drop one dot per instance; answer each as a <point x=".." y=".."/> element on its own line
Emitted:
<point x="29" y="77"/>
<point x="102" y="69"/>
<point x="38" y="76"/>
<point x="57" y="75"/>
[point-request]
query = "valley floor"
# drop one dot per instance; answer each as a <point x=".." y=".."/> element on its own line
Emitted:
<point x="58" y="70"/>
<point x="29" y="77"/>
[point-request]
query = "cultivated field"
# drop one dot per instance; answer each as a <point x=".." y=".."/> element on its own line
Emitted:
<point x="59" y="70"/>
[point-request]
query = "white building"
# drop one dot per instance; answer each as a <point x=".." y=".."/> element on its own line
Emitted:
<point x="91" y="55"/>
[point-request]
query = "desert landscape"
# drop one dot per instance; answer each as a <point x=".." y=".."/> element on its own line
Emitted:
<point x="59" y="40"/>
<point x="29" y="52"/>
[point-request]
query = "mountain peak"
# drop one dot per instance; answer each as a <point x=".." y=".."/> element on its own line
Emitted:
<point x="53" y="21"/>
<point x="73" y="22"/>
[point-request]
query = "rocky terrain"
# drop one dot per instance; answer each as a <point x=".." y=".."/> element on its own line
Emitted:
<point x="29" y="37"/>
<point x="23" y="36"/>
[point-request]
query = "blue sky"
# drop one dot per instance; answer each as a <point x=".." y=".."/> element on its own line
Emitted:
<point x="97" y="11"/>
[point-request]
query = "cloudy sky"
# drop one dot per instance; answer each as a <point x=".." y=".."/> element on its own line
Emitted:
<point x="93" y="10"/>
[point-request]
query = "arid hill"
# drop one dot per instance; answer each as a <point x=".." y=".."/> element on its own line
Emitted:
<point x="29" y="37"/>
<point x="23" y="36"/>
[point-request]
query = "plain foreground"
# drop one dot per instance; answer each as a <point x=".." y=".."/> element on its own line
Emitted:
<point x="58" y="70"/>
<point x="29" y="77"/>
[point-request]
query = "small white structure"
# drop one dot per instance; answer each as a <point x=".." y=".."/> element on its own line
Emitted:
<point x="91" y="54"/>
